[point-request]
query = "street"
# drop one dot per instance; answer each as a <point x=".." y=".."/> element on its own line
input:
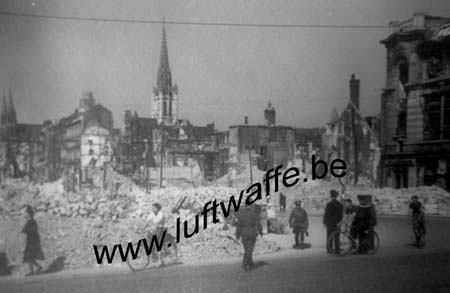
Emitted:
<point x="398" y="267"/>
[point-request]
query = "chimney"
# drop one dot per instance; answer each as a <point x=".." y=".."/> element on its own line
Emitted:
<point x="246" y="120"/>
<point x="354" y="91"/>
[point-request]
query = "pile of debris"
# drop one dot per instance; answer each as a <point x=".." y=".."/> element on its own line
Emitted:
<point x="315" y="195"/>
<point x="50" y="198"/>
<point x="70" y="223"/>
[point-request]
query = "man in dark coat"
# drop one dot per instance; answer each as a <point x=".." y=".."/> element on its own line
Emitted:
<point x="333" y="215"/>
<point x="298" y="221"/>
<point x="248" y="227"/>
<point x="282" y="202"/>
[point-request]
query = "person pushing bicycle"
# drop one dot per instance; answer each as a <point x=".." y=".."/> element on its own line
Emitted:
<point x="416" y="217"/>
<point x="157" y="222"/>
<point x="364" y="221"/>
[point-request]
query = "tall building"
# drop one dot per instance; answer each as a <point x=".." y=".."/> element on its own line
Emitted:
<point x="415" y="103"/>
<point x="165" y="95"/>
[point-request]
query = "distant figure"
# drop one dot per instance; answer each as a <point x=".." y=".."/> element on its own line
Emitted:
<point x="282" y="202"/>
<point x="248" y="227"/>
<point x="33" y="249"/>
<point x="331" y="219"/>
<point x="416" y="217"/>
<point x="298" y="221"/>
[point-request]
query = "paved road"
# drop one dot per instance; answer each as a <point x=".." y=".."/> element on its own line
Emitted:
<point x="397" y="268"/>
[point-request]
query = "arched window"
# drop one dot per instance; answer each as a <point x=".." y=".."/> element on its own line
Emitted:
<point x="164" y="106"/>
<point x="403" y="71"/>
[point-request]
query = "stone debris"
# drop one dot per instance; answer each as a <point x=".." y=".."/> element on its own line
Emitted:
<point x="70" y="223"/>
<point x="112" y="210"/>
<point x="315" y="195"/>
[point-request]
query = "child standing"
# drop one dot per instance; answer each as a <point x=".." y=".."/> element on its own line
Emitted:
<point x="33" y="249"/>
<point x="298" y="221"/>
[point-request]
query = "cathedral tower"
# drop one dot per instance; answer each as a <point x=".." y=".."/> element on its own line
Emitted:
<point x="165" y="95"/>
<point x="8" y="120"/>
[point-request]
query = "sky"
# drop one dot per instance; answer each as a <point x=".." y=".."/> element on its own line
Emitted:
<point x="223" y="73"/>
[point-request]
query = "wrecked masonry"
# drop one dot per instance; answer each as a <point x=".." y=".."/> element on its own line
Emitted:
<point x="289" y="178"/>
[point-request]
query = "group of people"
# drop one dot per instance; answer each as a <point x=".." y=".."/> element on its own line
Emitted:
<point x="357" y="220"/>
<point x="338" y="215"/>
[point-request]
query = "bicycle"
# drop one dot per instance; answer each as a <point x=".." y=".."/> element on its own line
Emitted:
<point x="142" y="260"/>
<point x="418" y="232"/>
<point x="369" y="244"/>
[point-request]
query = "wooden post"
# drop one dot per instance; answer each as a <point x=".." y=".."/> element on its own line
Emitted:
<point x="146" y="167"/>
<point x="161" y="155"/>
<point x="355" y="147"/>
<point x="250" y="163"/>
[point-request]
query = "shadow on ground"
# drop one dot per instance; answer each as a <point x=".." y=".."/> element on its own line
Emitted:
<point x="55" y="266"/>
<point x="6" y="268"/>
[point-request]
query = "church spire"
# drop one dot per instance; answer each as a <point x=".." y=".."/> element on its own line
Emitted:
<point x="11" y="110"/>
<point x="164" y="79"/>
<point x="4" y="111"/>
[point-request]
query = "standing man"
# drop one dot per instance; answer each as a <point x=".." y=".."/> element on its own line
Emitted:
<point x="248" y="227"/>
<point x="332" y="217"/>
<point x="298" y="221"/>
<point x="282" y="202"/>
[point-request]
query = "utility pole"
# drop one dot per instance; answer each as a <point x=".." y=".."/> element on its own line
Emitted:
<point x="161" y="154"/>
<point x="146" y="167"/>
<point x="250" y="163"/>
<point x="355" y="146"/>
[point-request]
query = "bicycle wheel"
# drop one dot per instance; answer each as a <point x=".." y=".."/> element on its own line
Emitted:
<point x="371" y="243"/>
<point x="418" y="236"/>
<point x="140" y="262"/>
<point x="340" y="243"/>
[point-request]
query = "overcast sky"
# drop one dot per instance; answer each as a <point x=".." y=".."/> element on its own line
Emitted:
<point x="223" y="73"/>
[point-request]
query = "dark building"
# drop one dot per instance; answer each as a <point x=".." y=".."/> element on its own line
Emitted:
<point x="137" y="143"/>
<point x="415" y="104"/>
<point x="20" y="144"/>
<point x="355" y="139"/>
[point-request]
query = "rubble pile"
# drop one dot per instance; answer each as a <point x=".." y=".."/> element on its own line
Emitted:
<point x="50" y="198"/>
<point x="70" y="223"/>
<point x="315" y="195"/>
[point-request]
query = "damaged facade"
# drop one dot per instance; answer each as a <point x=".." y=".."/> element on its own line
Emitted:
<point x="165" y="140"/>
<point x="353" y="138"/>
<point x="265" y="146"/>
<point x="83" y="139"/>
<point x="415" y="104"/>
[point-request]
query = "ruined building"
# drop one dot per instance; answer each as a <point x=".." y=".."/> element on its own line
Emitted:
<point x="415" y="103"/>
<point x="136" y="143"/>
<point x="84" y="138"/>
<point x="166" y="140"/>
<point x="354" y="138"/>
<point x="20" y="144"/>
<point x="265" y="146"/>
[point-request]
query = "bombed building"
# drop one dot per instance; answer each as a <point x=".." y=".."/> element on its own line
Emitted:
<point x="415" y="104"/>
<point x="354" y="138"/>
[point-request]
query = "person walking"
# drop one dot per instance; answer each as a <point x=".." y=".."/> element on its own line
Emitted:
<point x="33" y="251"/>
<point x="298" y="221"/>
<point x="248" y="227"/>
<point x="332" y="217"/>
<point x="282" y="202"/>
